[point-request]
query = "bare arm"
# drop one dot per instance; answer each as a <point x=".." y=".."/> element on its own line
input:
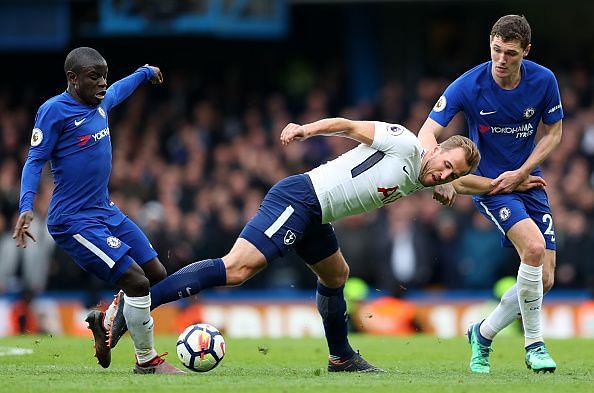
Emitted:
<point x="361" y="131"/>
<point x="508" y="181"/>
<point x="477" y="185"/>
<point x="429" y="133"/>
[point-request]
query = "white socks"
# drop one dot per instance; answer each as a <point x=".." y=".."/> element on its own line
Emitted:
<point x="507" y="311"/>
<point x="140" y="325"/>
<point x="530" y="292"/>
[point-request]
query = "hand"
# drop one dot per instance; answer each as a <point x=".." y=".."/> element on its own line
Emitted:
<point x="292" y="132"/>
<point x="21" y="229"/>
<point x="507" y="182"/>
<point x="157" y="77"/>
<point x="531" y="182"/>
<point x="445" y="194"/>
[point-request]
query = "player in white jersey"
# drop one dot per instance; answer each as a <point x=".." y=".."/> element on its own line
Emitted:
<point x="389" y="164"/>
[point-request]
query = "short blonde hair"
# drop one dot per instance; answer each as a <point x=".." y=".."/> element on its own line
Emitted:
<point x="471" y="152"/>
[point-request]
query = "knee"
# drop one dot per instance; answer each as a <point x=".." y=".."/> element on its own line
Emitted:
<point x="135" y="285"/>
<point x="158" y="274"/>
<point x="239" y="271"/>
<point x="337" y="278"/>
<point x="534" y="253"/>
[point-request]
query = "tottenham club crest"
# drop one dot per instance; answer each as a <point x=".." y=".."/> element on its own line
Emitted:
<point x="289" y="238"/>
<point x="529" y="112"/>
<point x="114" y="242"/>
<point x="101" y="112"/>
<point x="504" y="213"/>
<point x="440" y="104"/>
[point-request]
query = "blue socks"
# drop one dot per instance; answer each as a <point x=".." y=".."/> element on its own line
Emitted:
<point x="332" y="308"/>
<point x="188" y="281"/>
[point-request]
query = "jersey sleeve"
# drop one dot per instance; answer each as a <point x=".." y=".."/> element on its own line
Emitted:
<point x="46" y="132"/>
<point x="123" y="88"/>
<point x="553" y="111"/>
<point x="448" y="105"/>
<point x="394" y="139"/>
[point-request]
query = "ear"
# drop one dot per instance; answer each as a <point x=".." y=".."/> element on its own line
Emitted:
<point x="71" y="77"/>
<point x="527" y="50"/>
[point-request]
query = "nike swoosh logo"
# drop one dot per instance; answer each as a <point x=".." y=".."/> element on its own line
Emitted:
<point x="145" y="322"/>
<point x="531" y="301"/>
<point x="483" y="113"/>
<point x="188" y="291"/>
<point x="404" y="169"/>
<point x="79" y="122"/>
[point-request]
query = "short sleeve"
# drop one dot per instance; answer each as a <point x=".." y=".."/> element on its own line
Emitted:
<point x="448" y="105"/>
<point x="553" y="111"/>
<point x="46" y="131"/>
<point x="394" y="139"/>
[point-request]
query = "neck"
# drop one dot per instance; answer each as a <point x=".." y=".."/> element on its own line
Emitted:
<point x="70" y="89"/>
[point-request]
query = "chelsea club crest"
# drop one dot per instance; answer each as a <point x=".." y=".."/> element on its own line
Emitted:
<point x="529" y="112"/>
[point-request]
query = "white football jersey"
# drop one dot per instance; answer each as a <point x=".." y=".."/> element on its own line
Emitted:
<point x="369" y="177"/>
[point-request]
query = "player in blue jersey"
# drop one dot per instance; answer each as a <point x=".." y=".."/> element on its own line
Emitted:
<point x="72" y="131"/>
<point x="504" y="100"/>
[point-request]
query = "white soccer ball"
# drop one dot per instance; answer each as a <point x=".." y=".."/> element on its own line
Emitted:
<point x="200" y="347"/>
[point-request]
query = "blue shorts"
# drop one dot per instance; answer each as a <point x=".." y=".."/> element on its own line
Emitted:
<point x="505" y="210"/>
<point x="98" y="247"/>
<point x="290" y="217"/>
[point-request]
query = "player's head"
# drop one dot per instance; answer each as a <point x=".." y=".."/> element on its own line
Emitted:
<point x="86" y="72"/>
<point x="510" y="43"/>
<point x="455" y="157"/>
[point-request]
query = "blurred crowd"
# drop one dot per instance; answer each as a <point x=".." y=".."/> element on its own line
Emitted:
<point x="193" y="159"/>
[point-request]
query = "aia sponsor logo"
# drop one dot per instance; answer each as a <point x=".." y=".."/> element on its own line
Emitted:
<point x="389" y="194"/>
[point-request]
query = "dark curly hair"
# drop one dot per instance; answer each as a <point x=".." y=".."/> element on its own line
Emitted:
<point x="513" y="27"/>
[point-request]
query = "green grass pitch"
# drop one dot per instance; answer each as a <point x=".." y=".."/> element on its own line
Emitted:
<point x="413" y="364"/>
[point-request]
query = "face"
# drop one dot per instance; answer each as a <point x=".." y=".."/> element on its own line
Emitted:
<point x="89" y="86"/>
<point x="443" y="166"/>
<point x="507" y="57"/>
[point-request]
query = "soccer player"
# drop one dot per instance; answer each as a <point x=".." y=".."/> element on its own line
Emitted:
<point x="71" y="130"/>
<point x="389" y="164"/>
<point x="503" y="101"/>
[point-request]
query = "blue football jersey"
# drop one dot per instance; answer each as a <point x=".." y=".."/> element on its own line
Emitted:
<point x="76" y="139"/>
<point x="501" y="122"/>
